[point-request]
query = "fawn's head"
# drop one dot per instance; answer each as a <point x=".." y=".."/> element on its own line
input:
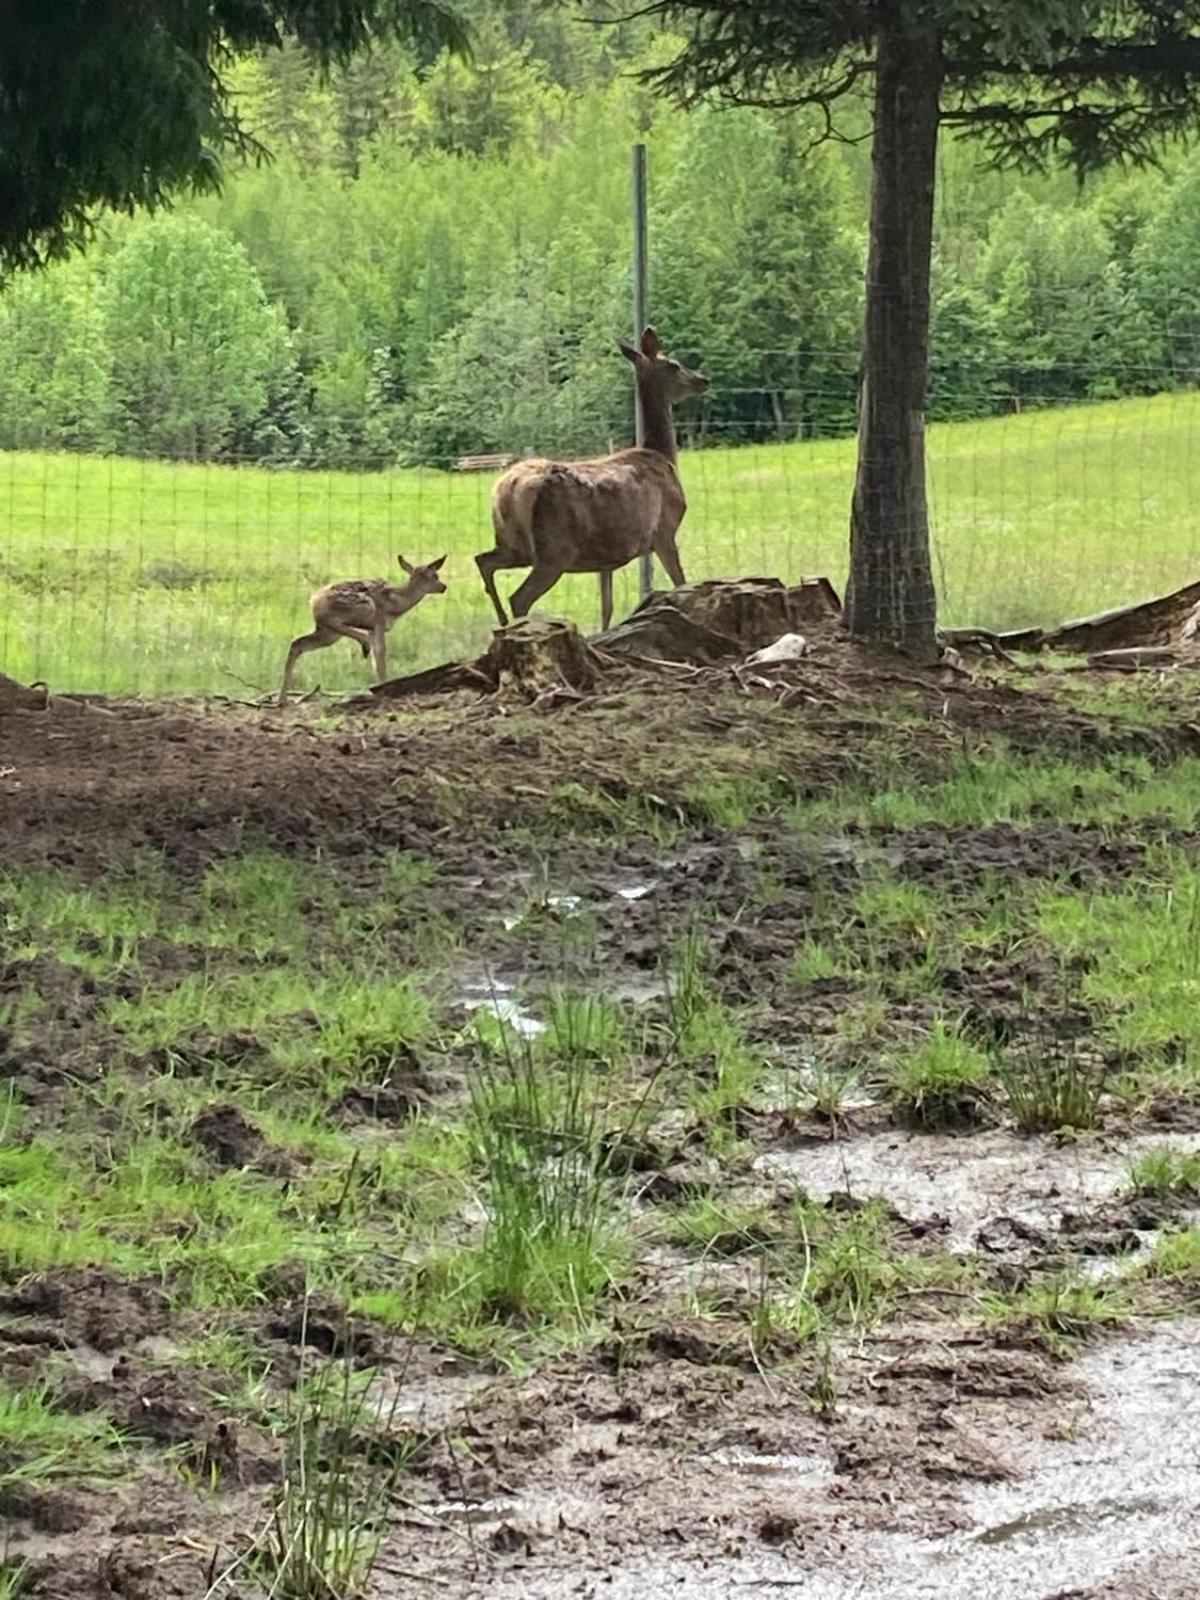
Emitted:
<point x="655" y="368"/>
<point x="424" y="580"/>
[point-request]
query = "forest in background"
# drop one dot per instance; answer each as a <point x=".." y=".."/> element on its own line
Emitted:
<point x="437" y="259"/>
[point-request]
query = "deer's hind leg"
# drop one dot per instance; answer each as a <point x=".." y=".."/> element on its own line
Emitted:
<point x="535" y="586"/>
<point x="606" y="601"/>
<point x="318" y="639"/>
<point x="490" y="562"/>
<point x="362" y="637"/>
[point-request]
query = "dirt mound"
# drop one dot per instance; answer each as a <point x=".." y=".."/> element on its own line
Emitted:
<point x="386" y="1102"/>
<point x="88" y="1306"/>
<point x="231" y="1140"/>
<point x="133" y="1568"/>
<point x="322" y="1323"/>
<point x="196" y="784"/>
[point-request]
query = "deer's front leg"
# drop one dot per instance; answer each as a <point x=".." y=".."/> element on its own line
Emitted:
<point x="379" y="649"/>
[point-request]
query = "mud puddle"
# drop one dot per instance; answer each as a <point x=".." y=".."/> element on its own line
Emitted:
<point x="1104" y="1488"/>
<point x="499" y="998"/>
<point x="1125" y="1485"/>
<point x="1024" y="1183"/>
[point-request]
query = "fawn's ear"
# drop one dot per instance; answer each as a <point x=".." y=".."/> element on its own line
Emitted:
<point x="436" y="566"/>
<point x="628" y="351"/>
<point x="407" y="566"/>
<point x="651" y="347"/>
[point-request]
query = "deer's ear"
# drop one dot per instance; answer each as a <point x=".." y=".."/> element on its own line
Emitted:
<point x="406" y="566"/>
<point x="628" y="351"/>
<point x="436" y="566"/>
<point x="650" y="344"/>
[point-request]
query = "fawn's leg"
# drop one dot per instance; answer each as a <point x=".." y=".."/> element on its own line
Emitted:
<point x="606" y="601"/>
<point x="535" y="586"/>
<point x="317" y="640"/>
<point x="379" y="649"/>
<point x="362" y="637"/>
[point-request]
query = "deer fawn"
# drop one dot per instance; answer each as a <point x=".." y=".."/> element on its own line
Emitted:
<point x="595" y="516"/>
<point x="363" y="610"/>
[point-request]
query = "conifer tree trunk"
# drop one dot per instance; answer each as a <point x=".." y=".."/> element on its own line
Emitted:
<point x="890" y="597"/>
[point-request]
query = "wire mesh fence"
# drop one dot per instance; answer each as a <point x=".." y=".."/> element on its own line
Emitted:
<point x="160" y="576"/>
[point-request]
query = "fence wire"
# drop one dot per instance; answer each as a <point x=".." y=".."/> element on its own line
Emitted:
<point x="159" y="576"/>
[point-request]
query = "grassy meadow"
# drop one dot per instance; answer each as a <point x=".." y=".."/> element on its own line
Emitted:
<point x="125" y="575"/>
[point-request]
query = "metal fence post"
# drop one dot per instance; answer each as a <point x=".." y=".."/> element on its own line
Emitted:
<point x="646" y="565"/>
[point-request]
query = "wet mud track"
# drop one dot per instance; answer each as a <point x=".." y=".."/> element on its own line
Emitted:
<point x="952" y="1470"/>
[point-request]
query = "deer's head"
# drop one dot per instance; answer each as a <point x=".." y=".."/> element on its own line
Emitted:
<point x="657" y="369"/>
<point x="424" y="580"/>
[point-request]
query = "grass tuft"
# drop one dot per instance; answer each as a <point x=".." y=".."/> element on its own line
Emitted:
<point x="1062" y="1308"/>
<point x="331" y="1512"/>
<point x="939" y="1083"/>
<point x="1167" y="1174"/>
<point x="1048" y="1088"/>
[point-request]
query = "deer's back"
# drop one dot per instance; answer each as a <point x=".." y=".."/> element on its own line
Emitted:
<point x="352" y="603"/>
<point x="586" y="515"/>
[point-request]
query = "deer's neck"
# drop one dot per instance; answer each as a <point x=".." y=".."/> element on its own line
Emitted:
<point x="401" y="598"/>
<point x="658" y="422"/>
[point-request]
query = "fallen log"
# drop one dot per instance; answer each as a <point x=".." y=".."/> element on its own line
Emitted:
<point x="16" y="696"/>
<point x="1162" y="621"/>
<point x="1142" y="658"/>
<point x="451" y="675"/>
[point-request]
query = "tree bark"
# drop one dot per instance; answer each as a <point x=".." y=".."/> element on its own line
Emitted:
<point x="890" y="597"/>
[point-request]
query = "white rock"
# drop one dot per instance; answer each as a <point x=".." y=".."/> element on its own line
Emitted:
<point x="788" y="647"/>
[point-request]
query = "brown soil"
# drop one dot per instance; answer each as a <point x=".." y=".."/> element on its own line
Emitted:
<point x="674" y="1449"/>
<point x="86" y="789"/>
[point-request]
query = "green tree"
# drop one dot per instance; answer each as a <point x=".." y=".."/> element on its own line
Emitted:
<point x="54" y="389"/>
<point x="966" y="352"/>
<point x="1085" y="81"/>
<point x="470" y="108"/>
<point x="104" y="103"/>
<point x="521" y="373"/>
<point x="194" y="345"/>
<point x="1059" y="301"/>
<point x="1164" y="287"/>
<point x="758" y="273"/>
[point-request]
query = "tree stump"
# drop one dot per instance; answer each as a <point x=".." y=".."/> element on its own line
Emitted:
<point x="528" y="658"/>
<point x="535" y="654"/>
<point x="702" y="623"/>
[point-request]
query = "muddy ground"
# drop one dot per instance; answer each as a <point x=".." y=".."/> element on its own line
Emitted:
<point x="942" y="1448"/>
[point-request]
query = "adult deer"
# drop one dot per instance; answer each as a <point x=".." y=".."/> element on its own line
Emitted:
<point x="363" y="610"/>
<point x="595" y="516"/>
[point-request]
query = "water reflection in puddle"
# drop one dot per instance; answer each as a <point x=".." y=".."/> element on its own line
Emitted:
<point x="430" y="1401"/>
<point x="471" y="1513"/>
<point x="1068" y="1519"/>
<point x="497" y="999"/>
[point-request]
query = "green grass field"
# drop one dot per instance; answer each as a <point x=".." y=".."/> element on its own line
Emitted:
<point x="124" y="575"/>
